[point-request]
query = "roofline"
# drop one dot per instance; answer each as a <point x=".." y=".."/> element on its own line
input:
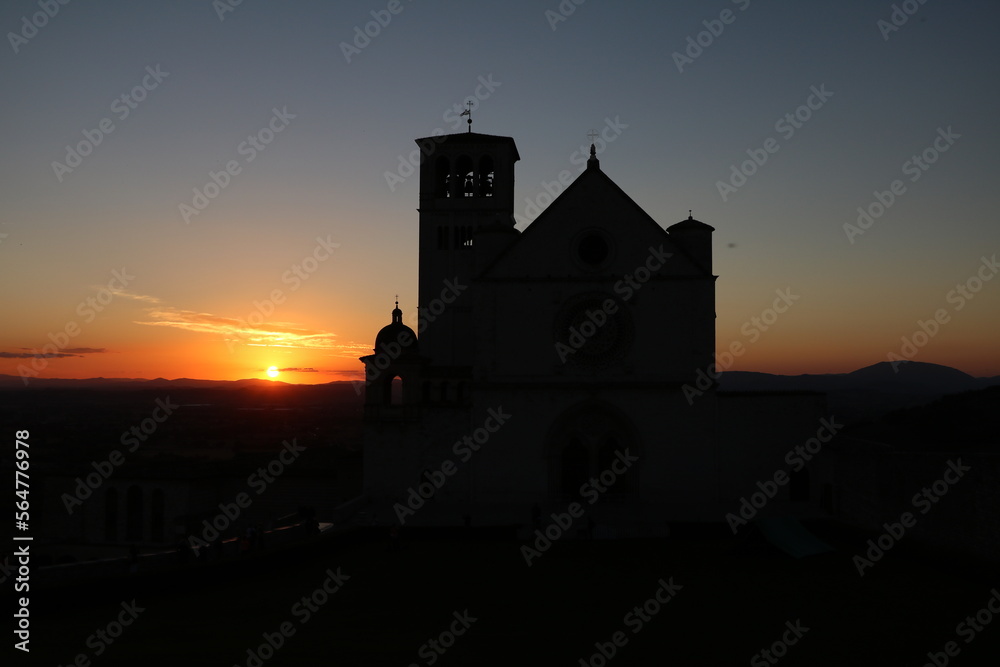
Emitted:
<point x="628" y="199"/>
<point x="468" y="137"/>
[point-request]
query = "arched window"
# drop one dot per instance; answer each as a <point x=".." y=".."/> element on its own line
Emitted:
<point x="465" y="176"/>
<point x="111" y="515"/>
<point x="133" y="513"/>
<point x="158" y="507"/>
<point x="396" y="391"/>
<point x="486" y="176"/>
<point x="442" y="176"/>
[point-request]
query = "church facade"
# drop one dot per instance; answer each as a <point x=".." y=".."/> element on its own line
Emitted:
<point x="549" y="367"/>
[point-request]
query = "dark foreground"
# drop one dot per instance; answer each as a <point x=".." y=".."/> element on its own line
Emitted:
<point x="474" y="597"/>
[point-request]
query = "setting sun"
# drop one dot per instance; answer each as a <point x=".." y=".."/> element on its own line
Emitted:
<point x="272" y="372"/>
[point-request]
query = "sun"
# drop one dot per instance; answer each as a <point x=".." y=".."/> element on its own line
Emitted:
<point x="272" y="372"/>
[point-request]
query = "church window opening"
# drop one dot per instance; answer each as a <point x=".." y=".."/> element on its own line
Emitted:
<point x="593" y="249"/>
<point x="395" y="387"/>
<point x="463" y="236"/>
<point x="442" y="177"/>
<point x="486" y="173"/>
<point x="465" y="176"/>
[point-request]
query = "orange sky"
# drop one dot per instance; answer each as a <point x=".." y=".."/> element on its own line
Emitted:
<point x="323" y="213"/>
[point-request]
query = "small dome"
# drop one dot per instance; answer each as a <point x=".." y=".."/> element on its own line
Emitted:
<point x="690" y="225"/>
<point x="396" y="333"/>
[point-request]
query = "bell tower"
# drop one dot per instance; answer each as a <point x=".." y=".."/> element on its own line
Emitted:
<point x="466" y="183"/>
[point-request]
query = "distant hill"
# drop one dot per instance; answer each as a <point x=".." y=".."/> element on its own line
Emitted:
<point x="868" y="392"/>
<point x="913" y="377"/>
<point x="15" y="382"/>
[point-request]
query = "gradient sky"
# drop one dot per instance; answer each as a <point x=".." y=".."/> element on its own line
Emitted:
<point x="191" y="286"/>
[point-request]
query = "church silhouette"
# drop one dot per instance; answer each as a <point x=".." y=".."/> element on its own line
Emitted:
<point x="562" y="364"/>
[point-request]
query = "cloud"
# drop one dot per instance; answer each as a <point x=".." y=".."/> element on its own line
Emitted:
<point x="66" y="352"/>
<point x="298" y="370"/>
<point x="138" y="297"/>
<point x="239" y="331"/>
<point x="348" y="374"/>
<point x="36" y="355"/>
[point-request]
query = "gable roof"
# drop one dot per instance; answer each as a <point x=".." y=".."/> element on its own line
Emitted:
<point x="593" y="177"/>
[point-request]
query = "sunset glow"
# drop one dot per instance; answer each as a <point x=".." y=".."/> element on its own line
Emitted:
<point x="168" y="251"/>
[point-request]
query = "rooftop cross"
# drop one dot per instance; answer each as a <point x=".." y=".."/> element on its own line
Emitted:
<point x="468" y="112"/>
<point x="593" y="151"/>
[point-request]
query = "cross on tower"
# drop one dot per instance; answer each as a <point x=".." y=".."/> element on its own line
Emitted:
<point x="468" y="112"/>
<point x="593" y="150"/>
